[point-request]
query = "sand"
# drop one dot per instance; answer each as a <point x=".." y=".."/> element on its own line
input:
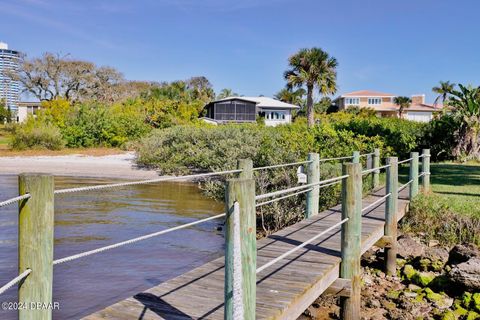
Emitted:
<point x="121" y="166"/>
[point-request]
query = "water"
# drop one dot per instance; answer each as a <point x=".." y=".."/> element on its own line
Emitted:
<point x="85" y="221"/>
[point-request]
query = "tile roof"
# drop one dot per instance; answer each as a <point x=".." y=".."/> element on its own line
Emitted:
<point x="367" y="93"/>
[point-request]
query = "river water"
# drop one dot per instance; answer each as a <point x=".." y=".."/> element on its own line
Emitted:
<point x="85" y="221"/>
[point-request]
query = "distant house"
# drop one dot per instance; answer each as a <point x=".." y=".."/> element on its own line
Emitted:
<point x="246" y="109"/>
<point x="383" y="104"/>
<point x="27" y="108"/>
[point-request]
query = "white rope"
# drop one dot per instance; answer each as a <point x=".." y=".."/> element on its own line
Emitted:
<point x="282" y="165"/>
<point x="289" y="252"/>
<point x="280" y="192"/>
<point x="375" y="169"/>
<point x="339" y="158"/>
<point x="367" y="154"/>
<point x="423" y="174"/>
<point x="116" y="245"/>
<point x="132" y="183"/>
<point x="281" y="198"/>
<point x="237" y="265"/>
<point x="15" y="280"/>
<point x="403" y="161"/>
<point x="373" y="204"/>
<point x="404" y="185"/>
<point x="13" y="200"/>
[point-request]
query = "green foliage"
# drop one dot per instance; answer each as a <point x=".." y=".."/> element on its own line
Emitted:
<point x="400" y="136"/>
<point x="30" y="136"/>
<point x="440" y="137"/>
<point x="5" y="113"/>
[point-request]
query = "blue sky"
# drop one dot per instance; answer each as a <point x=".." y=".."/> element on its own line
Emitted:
<point x="402" y="47"/>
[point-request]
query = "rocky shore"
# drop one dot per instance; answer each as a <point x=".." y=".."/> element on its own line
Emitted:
<point x="432" y="282"/>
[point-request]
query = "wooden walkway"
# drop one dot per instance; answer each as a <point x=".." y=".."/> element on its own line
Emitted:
<point x="284" y="290"/>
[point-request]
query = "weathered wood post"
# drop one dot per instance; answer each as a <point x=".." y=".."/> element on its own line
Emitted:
<point x="356" y="157"/>
<point x="313" y="176"/>
<point x="413" y="175"/>
<point x="376" y="164"/>
<point x="240" y="193"/>
<point x="426" y="170"/>
<point x="35" y="245"/>
<point x="246" y="165"/>
<point x="351" y="238"/>
<point x="391" y="207"/>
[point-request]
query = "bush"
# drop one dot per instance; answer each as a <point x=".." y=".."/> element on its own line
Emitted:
<point x="31" y="137"/>
<point x="186" y="149"/>
<point x="440" y="137"/>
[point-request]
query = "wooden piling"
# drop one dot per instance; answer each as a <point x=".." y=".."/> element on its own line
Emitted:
<point x="356" y="157"/>
<point x="243" y="192"/>
<point x="376" y="164"/>
<point x="391" y="216"/>
<point x="247" y="166"/>
<point x="413" y="191"/>
<point x="35" y="245"/>
<point x="313" y="176"/>
<point x="351" y="238"/>
<point x="426" y="170"/>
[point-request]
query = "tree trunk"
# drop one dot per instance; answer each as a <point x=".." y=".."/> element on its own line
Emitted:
<point x="310" y="111"/>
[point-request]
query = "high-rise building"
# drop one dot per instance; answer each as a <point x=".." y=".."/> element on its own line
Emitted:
<point x="9" y="89"/>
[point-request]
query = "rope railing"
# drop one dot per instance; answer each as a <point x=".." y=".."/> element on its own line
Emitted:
<point x="132" y="183"/>
<point x="364" y="172"/>
<point x="123" y="243"/>
<point x="300" y="246"/>
<point x="403" y="186"/>
<point x="338" y="158"/>
<point x="282" y="165"/>
<point x="377" y="202"/>
<point x="15" y="280"/>
<point x="404" y="161"/>
<point x="281" y="198"/>
<point x="367" y="154"/>
<point x="280" y="192"/>
<point x="14" y="200"/>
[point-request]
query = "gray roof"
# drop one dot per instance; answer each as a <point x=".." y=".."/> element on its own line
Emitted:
<point x="263" y="102"/>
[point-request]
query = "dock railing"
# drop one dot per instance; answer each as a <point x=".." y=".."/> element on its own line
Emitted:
<point x="36" y="227"/>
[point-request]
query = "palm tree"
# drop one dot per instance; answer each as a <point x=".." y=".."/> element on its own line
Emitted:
<point x="466" y="110"/>
<point x="403" y="103"/>
<point x="312" y="68"/>
<point x="289" y="96"/>
<point x="225" y="93"/>
<point x="443" y="91"/>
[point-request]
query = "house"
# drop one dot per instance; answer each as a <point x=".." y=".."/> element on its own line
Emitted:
<point x="26" y="108"/>
<point x="383" y="104"/>
<point x="246" y="109"/>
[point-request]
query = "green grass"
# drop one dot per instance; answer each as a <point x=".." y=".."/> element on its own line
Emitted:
<point x="4" y="137"/>
<point x="451" y="213"/>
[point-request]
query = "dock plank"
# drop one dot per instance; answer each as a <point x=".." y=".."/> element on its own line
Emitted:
<point x="284" y="290"/>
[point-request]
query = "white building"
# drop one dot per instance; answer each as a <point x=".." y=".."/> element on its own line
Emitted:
<point x="247" y="109"/>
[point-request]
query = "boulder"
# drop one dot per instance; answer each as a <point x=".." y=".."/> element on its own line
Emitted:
<point x="409" y="248"/>
<point x="466" y="274"/>
<point x="462" y="253"/>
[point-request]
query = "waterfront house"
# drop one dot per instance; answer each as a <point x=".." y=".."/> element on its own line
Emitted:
<point x="24" y="109"/>
<point x="247" y="109"/>
<point x="384" y="106"/>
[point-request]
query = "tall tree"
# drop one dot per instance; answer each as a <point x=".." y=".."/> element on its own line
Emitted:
<point x="312" y="68"/>
<point x="225" y="93"/>
<point x="403" y="103"/>
<point x="201" y="88"/>
<point x="443" y="90"/>
<point x="291" y="96"/>
<point x="465" y="104"/>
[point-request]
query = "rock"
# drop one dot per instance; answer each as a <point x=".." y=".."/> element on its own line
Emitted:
<point x="441" y="301"/>
<point x="414" y="287"/>
<point x="466" y="274"/>
<point x="472" y="315"/>
<point x="408" y="271"/>
<point x="441" y="283"/>
<point x="422" y="278"/>
<point x="460" y="312"/>
<point x="449" y="315"/>
<point x="393" y="295"/>
<point x="462" y="253"/>
<point x="410" y="294"/>
<point x="374" y="303"/>
<point x="433" y="243"/>
<point x="409" y="248"/>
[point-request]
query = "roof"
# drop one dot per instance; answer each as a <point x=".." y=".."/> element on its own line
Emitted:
<point x="262" y="102"/>
<point x="413" y="107"/>
<point x="367" y="93"/>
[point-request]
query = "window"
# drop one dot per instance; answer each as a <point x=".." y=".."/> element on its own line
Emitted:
<point x="235" y="111"/>
<point x="373" y="101"/>
<point x="275" y="115"/>
<point x="352" y="101"/>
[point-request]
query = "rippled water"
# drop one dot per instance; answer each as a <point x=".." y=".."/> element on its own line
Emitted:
<point x="85" y="221"/>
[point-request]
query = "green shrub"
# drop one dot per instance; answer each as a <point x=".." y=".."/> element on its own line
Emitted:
<point x="32" y="137"/>
<point x="440" y="137"/>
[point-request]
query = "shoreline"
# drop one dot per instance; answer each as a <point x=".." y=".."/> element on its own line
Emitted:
<point x="118" y="166"/>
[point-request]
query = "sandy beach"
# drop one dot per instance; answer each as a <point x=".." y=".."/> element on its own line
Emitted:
<point x="121" y="166"/>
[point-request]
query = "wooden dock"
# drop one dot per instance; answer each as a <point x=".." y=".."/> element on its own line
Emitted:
<point x="284" y="290"/>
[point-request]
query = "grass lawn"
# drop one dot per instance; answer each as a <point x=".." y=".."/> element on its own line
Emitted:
<point x="451" y="213"/>
<point x="4" y="137"/>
